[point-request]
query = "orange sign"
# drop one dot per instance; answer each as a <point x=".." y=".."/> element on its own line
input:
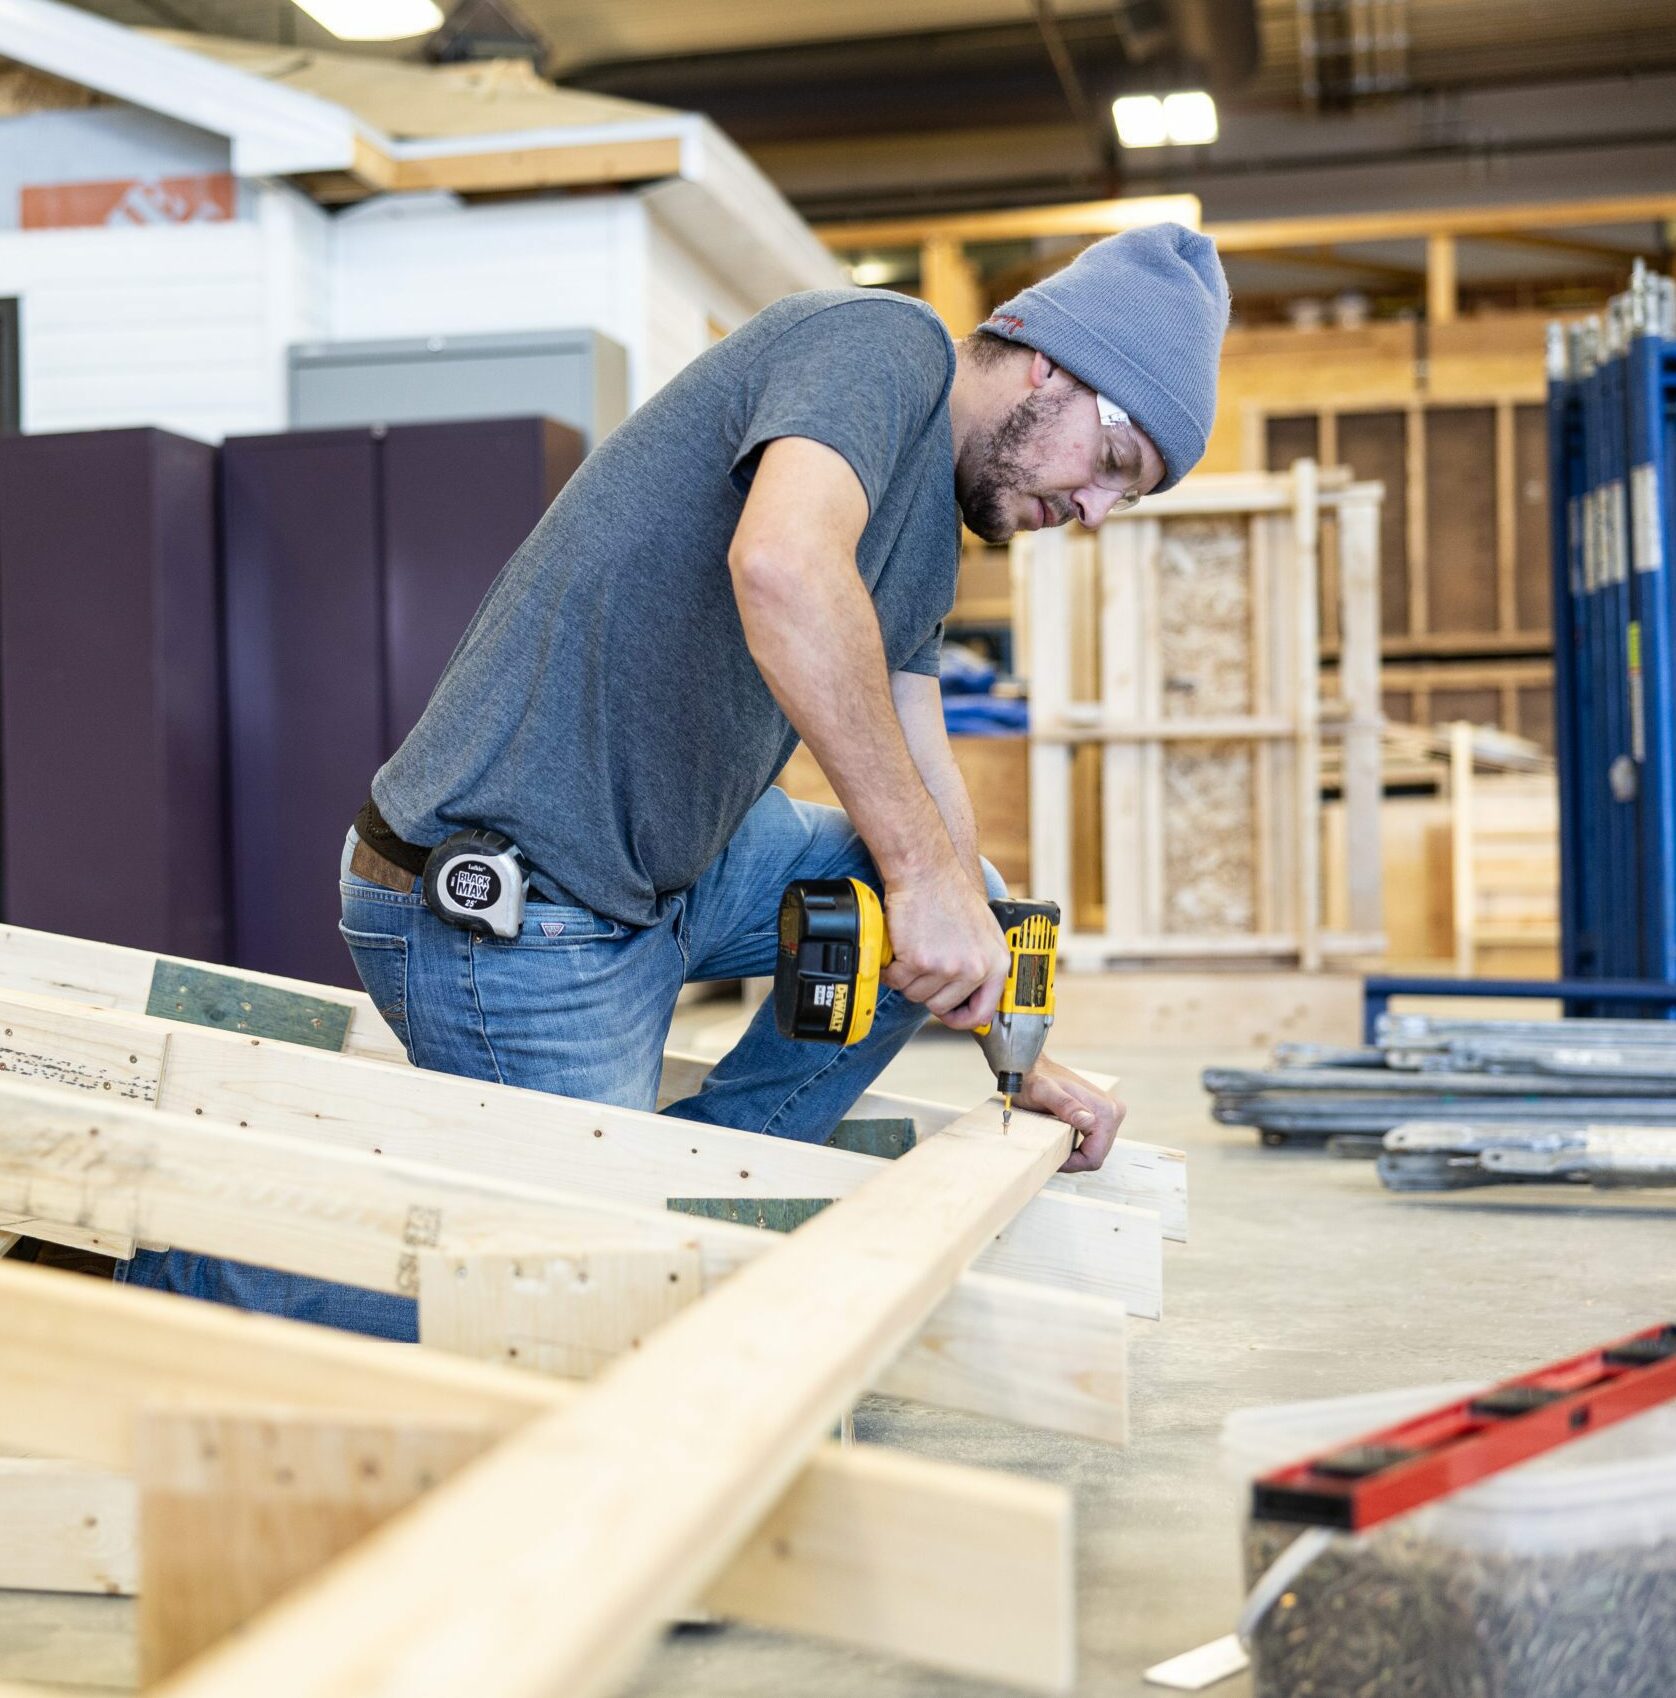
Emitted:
<point x="137" y="200"/>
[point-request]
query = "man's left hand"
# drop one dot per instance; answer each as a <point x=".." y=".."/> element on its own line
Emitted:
<point x="1091" y="1112"/>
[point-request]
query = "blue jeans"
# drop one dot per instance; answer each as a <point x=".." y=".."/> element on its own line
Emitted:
<point x="580" y="1005"/>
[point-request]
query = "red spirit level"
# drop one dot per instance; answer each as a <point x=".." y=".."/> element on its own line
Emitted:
<point x="1429" y="1456"/>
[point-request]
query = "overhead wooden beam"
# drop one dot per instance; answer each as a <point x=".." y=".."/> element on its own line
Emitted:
<point x="1243" y="235"/>
<point x="1082" y="218"/>
<point x="1569" y="247"/>
<point x="993" y="1346"/>
<point x="615" y="1154"/>
<point x="1325" y="258"/>
<point x="1099" y="218"/>
<point x="138" y="981"/>
<point x="679" y="1450"/>
<point x="82" y="1361"/>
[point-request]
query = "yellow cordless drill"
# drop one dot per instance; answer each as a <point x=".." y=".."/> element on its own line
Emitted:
<point x="834" y="946"/>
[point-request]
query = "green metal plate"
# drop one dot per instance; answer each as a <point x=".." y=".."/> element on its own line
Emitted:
<point x="772" y="1214"/>
<point x="886" y="1138"/>
<point x="231" y="1004"/>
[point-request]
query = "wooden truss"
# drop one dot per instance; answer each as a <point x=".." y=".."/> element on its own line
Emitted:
<point x="213" y="1461"/>
<point x="1176" y="721"/>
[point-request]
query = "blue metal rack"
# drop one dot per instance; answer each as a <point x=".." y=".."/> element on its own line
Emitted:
<point x="1612" y="478"/>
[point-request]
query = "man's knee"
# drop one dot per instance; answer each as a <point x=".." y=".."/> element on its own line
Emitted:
<point x="994" y="884"/>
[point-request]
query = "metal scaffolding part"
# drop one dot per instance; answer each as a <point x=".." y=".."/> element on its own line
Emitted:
<point x="1612" y="466"/>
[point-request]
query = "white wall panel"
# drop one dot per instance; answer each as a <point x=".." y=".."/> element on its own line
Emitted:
<point x="684" y="298"/>
<point x="438" y="268"/>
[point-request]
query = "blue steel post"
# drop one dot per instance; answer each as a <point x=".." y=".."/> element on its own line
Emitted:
<point x="1593" y="738"/>
<point x="1625" y="913"/>
<point x="1565" y="544"/>
<point x="1651" y="632"/>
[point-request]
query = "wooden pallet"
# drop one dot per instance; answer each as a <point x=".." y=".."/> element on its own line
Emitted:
<point x="1180" y="643"/>
<point x="227" y="1457"/>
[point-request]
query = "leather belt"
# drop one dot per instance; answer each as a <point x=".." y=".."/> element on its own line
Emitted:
<point x="380" y="856"/>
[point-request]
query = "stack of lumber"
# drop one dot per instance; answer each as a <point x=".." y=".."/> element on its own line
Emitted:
<point x="1417" y="757"/>
<point x="1567" y="1074"/>
<point x="225" y="1458"/>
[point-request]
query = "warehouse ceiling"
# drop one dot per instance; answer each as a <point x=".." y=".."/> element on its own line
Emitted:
<point x="868" y="108"/>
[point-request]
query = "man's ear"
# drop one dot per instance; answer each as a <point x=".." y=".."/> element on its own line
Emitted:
<point x="1040" y="370"/>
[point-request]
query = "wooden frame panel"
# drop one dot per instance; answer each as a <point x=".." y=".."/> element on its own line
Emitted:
<point x="1280" y="725"/>
<point x="680" y="1449"/>
<point x="994" y="1346"/>
<point x="614" y="1154"/>
<point x="59" y="1335"/>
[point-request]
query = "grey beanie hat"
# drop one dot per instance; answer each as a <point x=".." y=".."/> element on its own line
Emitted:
<point x="1139" y="317"/>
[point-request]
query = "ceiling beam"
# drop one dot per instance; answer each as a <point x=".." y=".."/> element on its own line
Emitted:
<point x="1568" y="246"/>
<point x="1256" y="235"/>
<point x="1085" y="218"/>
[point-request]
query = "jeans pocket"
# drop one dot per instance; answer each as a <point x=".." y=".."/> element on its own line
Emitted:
<point x="381" y="960"/>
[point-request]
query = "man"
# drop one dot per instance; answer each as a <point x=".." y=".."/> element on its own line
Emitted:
<point x="762" y="553"/>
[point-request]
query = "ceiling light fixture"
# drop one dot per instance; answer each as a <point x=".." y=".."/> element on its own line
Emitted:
<point x="1187" y="119"/>
<point x="374" y="20"/>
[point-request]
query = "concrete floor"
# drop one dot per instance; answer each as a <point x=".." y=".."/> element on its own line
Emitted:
<point x="1303" y="1278"/>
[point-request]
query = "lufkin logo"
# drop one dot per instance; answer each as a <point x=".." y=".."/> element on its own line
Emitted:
<point x="1008" y="323"/>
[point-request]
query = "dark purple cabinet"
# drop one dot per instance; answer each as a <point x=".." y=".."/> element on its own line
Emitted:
<point x="110" y="691"/>
<point x="354" y="561"/>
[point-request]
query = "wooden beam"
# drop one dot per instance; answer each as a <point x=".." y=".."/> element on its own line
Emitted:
<point x="992" y="1345"/>
<point x="1244" y="235"/>
<point x="551" y="1310"/>
<point x="1442" y="288"/>
<point x="136" y="981"/>
<point x="239" y="1506"/>
<point x="680" y="1450"/>
<point x="1099" y="218"/>
<point x="949" y="284"/>
<point x="615" y="1154"/>
<point x="65" y="1528"/>
<point x="1620" y="259"/>
<point x="565" y="166"/>
<point x="1325" y="258"/>
<point x="1083" y="218"/>
<point x="60" y="1335"/>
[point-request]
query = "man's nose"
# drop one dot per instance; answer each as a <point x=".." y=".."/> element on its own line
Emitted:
<point x="1093" y="504"/>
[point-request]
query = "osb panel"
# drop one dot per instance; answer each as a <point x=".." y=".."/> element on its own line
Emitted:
<point x="1204" y="638"/>
<point x="1210" y="873"/>
<point x="1204" y="617"/>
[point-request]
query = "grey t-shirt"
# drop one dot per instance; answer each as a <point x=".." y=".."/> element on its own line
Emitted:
<point x="603" y="709"/>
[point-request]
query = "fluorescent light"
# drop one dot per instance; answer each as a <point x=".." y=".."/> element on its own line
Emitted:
<point x="869" y="273"/>
<point x="1190" y="119"/>
<point x="1140" y="120"/>
<point x="1187" y="119"/>
<point x="374" y="20"/>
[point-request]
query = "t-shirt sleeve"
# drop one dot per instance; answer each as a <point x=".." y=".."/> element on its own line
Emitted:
<point x="927" y="659"/>
<point x="864" y="378"/>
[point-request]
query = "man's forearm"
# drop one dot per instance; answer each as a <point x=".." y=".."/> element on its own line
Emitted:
<point x="815" y="639"/>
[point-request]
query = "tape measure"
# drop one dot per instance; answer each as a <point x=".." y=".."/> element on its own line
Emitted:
<point x="476" y="880"/>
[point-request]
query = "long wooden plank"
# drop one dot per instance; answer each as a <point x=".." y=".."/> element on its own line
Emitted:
<point x="993" y="1346"/>
<point x="61" y="1336"/>
<point x="1066" y="1240"/>
<point x="680" y="1450"/>
<point x="135" y="981"/>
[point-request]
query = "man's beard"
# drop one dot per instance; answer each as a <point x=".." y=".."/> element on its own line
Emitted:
<point x="1003" y="469"/>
